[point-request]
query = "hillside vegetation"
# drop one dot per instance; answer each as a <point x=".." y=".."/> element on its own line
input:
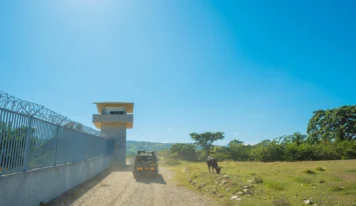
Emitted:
<point x="134" y="146"/>
<point x="331" y="135"/>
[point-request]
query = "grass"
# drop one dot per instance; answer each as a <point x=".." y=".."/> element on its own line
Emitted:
<point x="276" y="186"/>
<point x="320" y="169"/>
<point x="170" y="162"/>
<point x="275" y="183"/>
<point x="281" y="202"/>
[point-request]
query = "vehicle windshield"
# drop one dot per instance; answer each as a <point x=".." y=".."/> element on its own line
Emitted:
<point x="145" y="157"/>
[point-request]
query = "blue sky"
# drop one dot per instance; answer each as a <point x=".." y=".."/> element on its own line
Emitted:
<point x="252" y="69"/>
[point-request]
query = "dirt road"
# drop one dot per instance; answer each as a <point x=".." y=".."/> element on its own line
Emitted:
<point x="120" y="188"/>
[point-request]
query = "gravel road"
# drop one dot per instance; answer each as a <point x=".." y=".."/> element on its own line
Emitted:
<point x="120" y="188"/>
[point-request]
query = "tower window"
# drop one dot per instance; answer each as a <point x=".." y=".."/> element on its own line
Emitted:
<point x="116" y="112"/>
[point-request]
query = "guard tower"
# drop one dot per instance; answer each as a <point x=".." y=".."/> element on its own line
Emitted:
<point x="113" y="120"/>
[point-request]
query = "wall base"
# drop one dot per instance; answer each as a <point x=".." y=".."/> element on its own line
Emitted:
<point x="42" y="185"/>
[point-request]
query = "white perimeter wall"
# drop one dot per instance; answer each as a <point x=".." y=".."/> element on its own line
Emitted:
<point x="31" y="187"/>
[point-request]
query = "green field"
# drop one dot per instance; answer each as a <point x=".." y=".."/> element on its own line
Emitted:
<point x="278" y="183"/>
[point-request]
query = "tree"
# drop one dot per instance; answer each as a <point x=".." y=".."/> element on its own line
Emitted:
<point x="333" y="125"/>
<point x="206" y="140"/>
<point x="221" y="153"/>
<point x="183" y="151"/>
<point x="296" y="137"/>
<point x="239" y="151"/>
<point x="235" y="142"/>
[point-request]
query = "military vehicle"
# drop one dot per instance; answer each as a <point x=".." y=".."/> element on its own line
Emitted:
<point x="145" y="164"/>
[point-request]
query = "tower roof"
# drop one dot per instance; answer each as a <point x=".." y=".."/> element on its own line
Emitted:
<point x="127" y="105"/>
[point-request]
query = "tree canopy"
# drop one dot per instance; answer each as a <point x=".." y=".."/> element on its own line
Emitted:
<point x="183" y="151"/>
<point x="333" y="125"/>
<point x="206" y="140"/>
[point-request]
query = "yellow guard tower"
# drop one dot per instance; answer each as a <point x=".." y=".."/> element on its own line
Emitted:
<point x="113" y="120"/>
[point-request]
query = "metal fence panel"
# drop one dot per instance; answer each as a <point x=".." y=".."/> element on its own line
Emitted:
<point x="42" y="144"/>
<point x="27" y="143"/>
<point x="13" y="129"/>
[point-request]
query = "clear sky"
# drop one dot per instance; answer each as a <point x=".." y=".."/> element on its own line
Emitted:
<point x="254" y="69"/>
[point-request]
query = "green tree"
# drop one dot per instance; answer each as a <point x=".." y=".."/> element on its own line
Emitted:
<point x="221" y="153"/>
<point x="238" y="151"/>
<point x="235" y="142"/>
<point x="183" y="151"/>
<point x="267" y="151"/>
<point x="296" y="138"/>
<point x="206" y="140"/>
<point x="333" y="125"/>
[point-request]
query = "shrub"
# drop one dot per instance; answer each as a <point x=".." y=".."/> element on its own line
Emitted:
<point x="257" y="180"/>
<point x="309" y="171"/>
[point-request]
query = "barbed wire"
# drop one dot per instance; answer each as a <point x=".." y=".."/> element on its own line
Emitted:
<point x="41" y="112"/>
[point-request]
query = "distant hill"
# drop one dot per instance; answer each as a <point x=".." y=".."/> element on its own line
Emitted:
<point x="134" y="146"/>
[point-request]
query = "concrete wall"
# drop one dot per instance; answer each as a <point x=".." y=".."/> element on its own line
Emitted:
<point x="118" y="133"/>
<point x="31" y="187"/>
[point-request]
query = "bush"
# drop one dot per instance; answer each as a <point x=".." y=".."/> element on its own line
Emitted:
<point x="320" y="169"/>
<point x="309" y="172"/>
<point x="257" y="180"/>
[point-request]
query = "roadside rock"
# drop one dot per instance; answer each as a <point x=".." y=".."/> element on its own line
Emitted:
<point x="308" y="202"/>
<point x="235" y="198"/>
<point x="247" y="192"/>
<point x="240" y="193"/>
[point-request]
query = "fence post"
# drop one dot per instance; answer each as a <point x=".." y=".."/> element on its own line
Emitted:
<point x="27" y="144"/>
<point x="55" y="154"/>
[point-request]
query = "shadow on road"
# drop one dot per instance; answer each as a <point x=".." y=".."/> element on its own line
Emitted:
<point x="127" y="168"/>
<point x="75" y="193"/>
<point x="148" y="180"/>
